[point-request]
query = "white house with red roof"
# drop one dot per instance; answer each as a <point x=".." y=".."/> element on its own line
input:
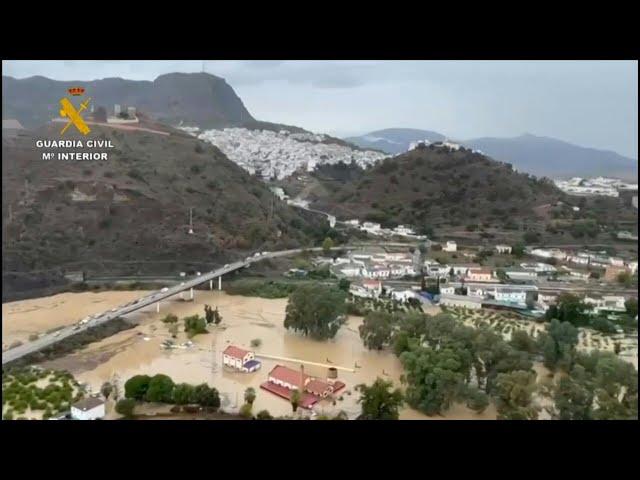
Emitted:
<point x="240" y="359"/>
<point x="296" y="380"/>
<point x="483" y="274"/>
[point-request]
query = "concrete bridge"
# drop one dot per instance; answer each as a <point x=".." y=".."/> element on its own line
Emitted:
<point x="152" y="299"/>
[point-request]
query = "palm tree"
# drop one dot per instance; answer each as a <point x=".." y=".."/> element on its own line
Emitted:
<point x="250" y="395"/>
<point x="295" y="400"/>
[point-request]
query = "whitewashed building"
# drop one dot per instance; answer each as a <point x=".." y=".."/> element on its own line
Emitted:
<point x="482" y="274"/>
<point x="505" y="249"/>
<point x="450" y="246"/>
<point x="240" y="359"/>
<point x="90" y="408"/>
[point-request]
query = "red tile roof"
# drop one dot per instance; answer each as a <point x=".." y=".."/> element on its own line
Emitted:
<point x="235" y="352"/>
<point x="287" y="375"/>
<point x="317" y="387"/>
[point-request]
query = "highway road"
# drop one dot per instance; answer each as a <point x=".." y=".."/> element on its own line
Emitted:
<point x="100" y="319"/>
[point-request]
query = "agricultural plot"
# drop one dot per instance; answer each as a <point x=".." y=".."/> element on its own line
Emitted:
<point x="507" y="323"/>
<point x="34" y="394"/>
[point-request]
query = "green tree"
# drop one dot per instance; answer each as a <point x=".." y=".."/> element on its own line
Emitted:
<point x="514" y="396"/>
<point x="376" y="330"/>
<point x="207" y="396"/>
<point x="316" y="310"/>
<point x="195" y="325"/>
<point x="327" y="245"/>
<point x="435" y="378"/>
<point x="477" y="400"/>
<point x="573" y="399"/>
<point x="126" y="407"/>
<point x="208" y="314"/>
<point x="170" y="318"/>
<point x="245" y="411"/>
<point x="522" y="341"/>
<point x="264" y="415"/>
<point x="344" y="284"/>
<point x="379" y="401"/>
<point x="295" y="400"/>
<point x="136" y="387"/>
<point x="632" y="307"/>
<point x="517" y="250"/>
<point x="106" y="389"/>
<point x="250" y="395"/>
<point x="184" y="394"/>
<point x="624" y="278"/>
<point x="160" y="389"/>
<point x="569" y="308"/>
<point x="558" y="345"/>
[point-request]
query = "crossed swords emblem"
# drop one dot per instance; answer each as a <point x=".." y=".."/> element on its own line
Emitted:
<point x="68" y="110"/>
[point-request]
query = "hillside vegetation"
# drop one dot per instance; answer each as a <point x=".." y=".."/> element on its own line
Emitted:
<point x="466" y="194"/>
<point x="130" y="213"/>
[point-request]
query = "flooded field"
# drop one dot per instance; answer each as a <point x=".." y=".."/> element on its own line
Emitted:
<point x="138" y="351"/>
<point x="29" y="317"/>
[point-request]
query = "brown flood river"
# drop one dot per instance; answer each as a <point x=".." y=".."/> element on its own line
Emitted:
<point x="138" y="351"/>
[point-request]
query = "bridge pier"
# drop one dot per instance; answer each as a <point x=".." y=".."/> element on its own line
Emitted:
<point x="191" y="292"/>
<point x="211" y="284"/>
<point x="158" y="307"/>
<point x="220" y="282"/>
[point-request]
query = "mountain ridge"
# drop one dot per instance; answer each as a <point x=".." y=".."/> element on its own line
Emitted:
<point x="530" y="153"/>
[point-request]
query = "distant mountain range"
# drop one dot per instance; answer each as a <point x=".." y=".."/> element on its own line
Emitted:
<point x="194" y="98"/>
<point x="394" y="140"/>
<point x="540" y="156"/>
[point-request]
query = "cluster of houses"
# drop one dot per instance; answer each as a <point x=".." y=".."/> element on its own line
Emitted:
<point x="609" y="187"/>
<point x="612" y="265"/>
<point x="376" y="229"/>
<point x="377" y="265"/>
<point x="278" y="155"/>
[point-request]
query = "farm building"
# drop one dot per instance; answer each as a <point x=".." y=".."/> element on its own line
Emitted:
<point x="240" y="359"/>
<point x="90" y="408"/>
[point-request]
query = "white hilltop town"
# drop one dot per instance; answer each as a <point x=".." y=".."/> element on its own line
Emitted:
<point x="279" y="154"/>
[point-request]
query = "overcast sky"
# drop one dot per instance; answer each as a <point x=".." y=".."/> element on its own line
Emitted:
<point x="591" y="103"/>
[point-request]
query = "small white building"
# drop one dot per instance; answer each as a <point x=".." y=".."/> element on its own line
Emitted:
<point x="450" y="246"/>
<point x="505" y="249"/>
<point x="371" y="227"/>
<point x="480" y="274"/>
<point x="403" y="230"/>
<point x="616" y="262"/>
<point x="90" y="408"/>
<point x="463" y="269"/>
<point x="351" y="270"/>
<point x="539" y="267"/>
<point x="511" y="295"/>
<point x="549" y="253"/>
<point x="240" y="359"/>
<point x="606" y="303"/>
<point x="518" y="274"/>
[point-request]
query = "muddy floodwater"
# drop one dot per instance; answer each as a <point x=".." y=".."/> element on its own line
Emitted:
<point x="139" y="350"/>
